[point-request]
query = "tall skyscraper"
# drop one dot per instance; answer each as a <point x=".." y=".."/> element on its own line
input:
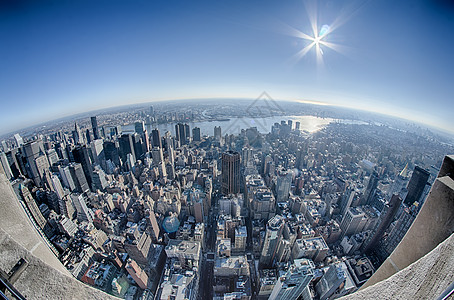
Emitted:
<point x="78" y="177"/>
<point x="111" y="152"/>
<point x="400" y="183"/>
<point x="369" y="193"/>
<point x="294" y="284"/>
<point x="387" y="216"/>
<point x="399" y="230"/>
<point x="83" y="212"/>
<point x="196" y="134"/>
<point x="139" y="127"/>
<point x="330" y="281"/>
<point x="126" y="147"/>
<point x="18" y="139"/>
<point x="416" y="185"/>
<point x="273" y="236"/>
<point x="284" y="182"/>
<point x="94" y="126"/>
<point x="187" y="132"/>
<point x="180" y="133"/>
<point x="230" y="173"/>
<point x="82" y="156"/>
<point x="37" y="161"/>
<point x="77" y="135"/>
<point x="156" y="138"/>
<point x="217" y="133"/>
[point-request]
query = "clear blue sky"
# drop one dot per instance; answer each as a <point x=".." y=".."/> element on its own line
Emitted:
<point x="63" y="57"/>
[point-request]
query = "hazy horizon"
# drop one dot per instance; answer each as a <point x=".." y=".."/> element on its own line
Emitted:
<point x="95" y="112"/>
<point x="65" y="58"/>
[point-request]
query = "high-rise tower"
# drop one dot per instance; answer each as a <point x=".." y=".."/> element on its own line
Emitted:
<point x="416" y="185"/>
<point x="156" y="138"/>
<point x="230" y="172"/>
<point x="94" y="126"/>
<point x="273" y="236"/>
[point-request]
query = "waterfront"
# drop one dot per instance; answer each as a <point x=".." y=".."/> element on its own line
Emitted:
<point x="309" y="124"/>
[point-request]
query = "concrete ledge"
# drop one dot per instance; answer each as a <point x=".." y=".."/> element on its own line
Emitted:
<point x="434" y="223"/>
<point x="40" y="280"/>
<point x="427" y="278"/>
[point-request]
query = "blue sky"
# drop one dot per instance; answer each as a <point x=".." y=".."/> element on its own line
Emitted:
<point x="64" y="57"/>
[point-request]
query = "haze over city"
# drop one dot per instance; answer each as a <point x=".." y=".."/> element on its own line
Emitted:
<point x="66" y="57"/>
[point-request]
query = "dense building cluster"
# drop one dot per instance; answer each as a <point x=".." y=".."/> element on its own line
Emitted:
<point x="283" y="215"/>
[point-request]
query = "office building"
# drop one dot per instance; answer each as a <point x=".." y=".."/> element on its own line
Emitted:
<point x="181" y="133"/>
<point x="293" y="284"/>
<point x="139" y="275"/>
<point x="18" y="139"/>
<point x="94" y="127"/>
<point x="284" y="183"/>
<point x="416" y="185"/>
<point x="230" y="183"/>
<point x="77" y="135"/>
<point x="314" y="248"/>
<point x="156" y="138"/>
<point x="126" y="146"/>
<point x="333" y="278"/>
<point x="139" y="127"/>
<point x="78" y="178"/>
<point x="351" y="221"/>
<point x="369" y="193"/>
<point x="81" y="156"/>
<point x="217" y="133"/>
<point x="386" y="218"/>
<point x="196" y="134"/>
<point x="83" y="212"/>
<point x="272" y="239"/>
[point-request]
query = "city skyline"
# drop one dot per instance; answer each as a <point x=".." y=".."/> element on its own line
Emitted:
<point x="72" y="57"/>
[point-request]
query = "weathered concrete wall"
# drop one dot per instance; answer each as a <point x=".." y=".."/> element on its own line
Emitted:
<point x="15" y="222"/>
<point x="434" y="223"/>
<point x="427" y="278"/>
<point x="44" y="277"/>
<point x="41" y="281"/>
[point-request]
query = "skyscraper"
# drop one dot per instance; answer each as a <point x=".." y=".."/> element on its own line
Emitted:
<point x="77" y="135"/>
<point x="139" y="127"/>
<point x="156" y="138"/>
<point x="217" y="133"/>
<point x="399" y="230"/>
<point x="180" y="133"/>
<point x="82" y="156"/>
<point x="351" y="221"/>
<point x="294" y="284"/>
<point x="196" y="134"/>
<point x="37" y="161"/>
<point x="386" y="218"/>
<point x="83" y="212"/>
<point x="18" y="139"/>
<point x="126" y="147"/>
<point x="330" y="281"/>
<point x="94" y="126"/>
<point x="273" y="236"/>
<point x="284" y="182"/>
<point x="78" y="177"/>
<point x="111" y="152"/>
<point x="230" y="172"/>
<point x="369" y="193"/>
<point x="416" y="185"/>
